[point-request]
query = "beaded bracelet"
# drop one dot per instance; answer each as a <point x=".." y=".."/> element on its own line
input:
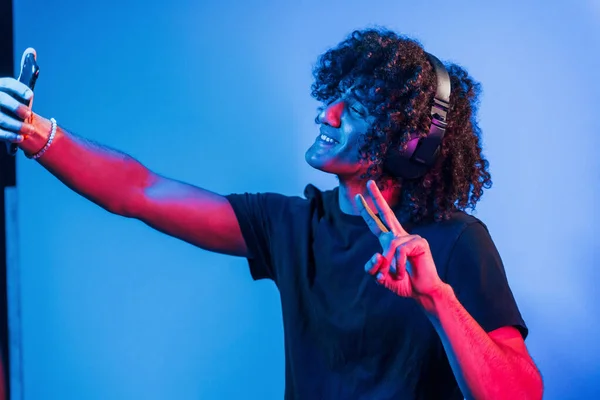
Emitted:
<point x="50" y="139"/>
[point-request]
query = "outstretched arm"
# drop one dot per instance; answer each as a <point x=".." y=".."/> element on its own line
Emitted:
<point x="119" y="183"/>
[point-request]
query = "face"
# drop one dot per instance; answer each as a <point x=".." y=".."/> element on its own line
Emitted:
<point x="343" y="124"/>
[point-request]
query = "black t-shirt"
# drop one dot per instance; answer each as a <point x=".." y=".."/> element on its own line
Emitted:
<point x="346" y="337"/>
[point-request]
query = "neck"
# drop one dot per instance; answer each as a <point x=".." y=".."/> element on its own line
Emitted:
<point x="349" y="189"/>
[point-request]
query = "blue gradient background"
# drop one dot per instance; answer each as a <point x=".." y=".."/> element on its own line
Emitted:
<point x="216" y="93"/>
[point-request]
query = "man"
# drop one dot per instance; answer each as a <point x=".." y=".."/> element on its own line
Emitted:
<point x="433" y="317"/>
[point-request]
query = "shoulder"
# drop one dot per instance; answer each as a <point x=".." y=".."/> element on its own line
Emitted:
<point x="472" y="231"/>
<point x="462" y="221"/>
<point x="458" y="227"/>
<point x="473" y="251"/>
<point x="460" y="238"/>
<point x="471" y="237"/>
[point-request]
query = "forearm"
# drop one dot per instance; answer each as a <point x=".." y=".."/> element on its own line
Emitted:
<point x="105" y="176"/>
<point x="483" y="368"/>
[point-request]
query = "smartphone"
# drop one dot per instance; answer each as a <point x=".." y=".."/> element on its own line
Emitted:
<point x="28" y="76"/>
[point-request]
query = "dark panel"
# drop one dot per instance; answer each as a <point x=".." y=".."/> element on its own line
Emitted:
<point x="7" y="178"/>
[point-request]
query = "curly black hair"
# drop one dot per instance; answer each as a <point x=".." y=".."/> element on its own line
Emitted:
<point x="394" y="79"/>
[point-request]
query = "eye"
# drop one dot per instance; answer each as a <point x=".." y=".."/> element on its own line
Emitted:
<point x="357" y="110"/>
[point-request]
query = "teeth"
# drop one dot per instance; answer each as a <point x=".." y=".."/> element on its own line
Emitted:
<point x="326" y="139"/>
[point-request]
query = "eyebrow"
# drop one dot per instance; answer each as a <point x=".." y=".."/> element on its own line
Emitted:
<point x="356" y="98"/>
<point x="360" y="96"/>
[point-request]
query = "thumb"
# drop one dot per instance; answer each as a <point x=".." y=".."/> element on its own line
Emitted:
<point x="374" y="264"/>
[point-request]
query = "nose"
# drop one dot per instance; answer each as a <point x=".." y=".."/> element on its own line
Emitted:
<point x="332" y="114"/>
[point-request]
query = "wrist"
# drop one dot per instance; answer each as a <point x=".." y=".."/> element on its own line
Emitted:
<point x="38" y="136"/>
<point x="433" y="300"/>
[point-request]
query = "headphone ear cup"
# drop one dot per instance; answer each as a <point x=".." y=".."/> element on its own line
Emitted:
<point x="421" y="153"/>
<point x="398" y="161"/>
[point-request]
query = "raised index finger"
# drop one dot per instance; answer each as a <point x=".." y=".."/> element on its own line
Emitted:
<point x="388" y="216"/>
<point x="374" y="223"/>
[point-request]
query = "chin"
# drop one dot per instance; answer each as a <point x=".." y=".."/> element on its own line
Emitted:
<point x="341" y="171"/>
<point x="315" y="162"/>
<point x="333" y="164"/>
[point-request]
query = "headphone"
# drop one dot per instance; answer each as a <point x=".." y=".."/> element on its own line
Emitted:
<point x="421" y="153"/>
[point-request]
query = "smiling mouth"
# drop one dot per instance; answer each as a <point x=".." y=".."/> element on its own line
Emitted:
<point x="324" y="138"/>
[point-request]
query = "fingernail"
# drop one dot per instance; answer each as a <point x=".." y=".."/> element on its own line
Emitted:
<point x="369" y="265"/>
<point x="28" y="94"/>
<point x="20" y="138"/>
<point x="379" y="276"/>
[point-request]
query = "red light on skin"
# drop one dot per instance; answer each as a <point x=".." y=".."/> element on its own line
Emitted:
<point x="333" y="114"/>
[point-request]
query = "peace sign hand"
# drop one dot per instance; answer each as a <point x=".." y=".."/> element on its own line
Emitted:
<point x="405" y="265"/>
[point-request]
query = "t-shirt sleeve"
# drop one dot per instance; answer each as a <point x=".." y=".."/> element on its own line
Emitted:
<point x="476" y="273"/>
<point x="259" y="216"/>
